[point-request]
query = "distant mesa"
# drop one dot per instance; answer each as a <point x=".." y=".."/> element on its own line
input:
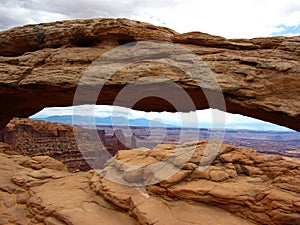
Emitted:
<point x="36" y="138"/>
<point x="285" y="143"/>
<point x="108" y="121"/>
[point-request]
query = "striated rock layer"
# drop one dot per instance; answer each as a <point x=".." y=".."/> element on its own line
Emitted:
<point x="41" y="65"/>
<point x="36" y="138"/>
<point x="240" y="187"/>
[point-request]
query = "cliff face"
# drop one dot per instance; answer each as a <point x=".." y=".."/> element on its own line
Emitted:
<point x="240" y="187"/>
<point x="35" y="138"/>
<point x="41" y="65"/>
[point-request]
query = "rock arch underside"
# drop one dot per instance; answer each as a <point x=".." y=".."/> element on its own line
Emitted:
<point x="40" y="66"/>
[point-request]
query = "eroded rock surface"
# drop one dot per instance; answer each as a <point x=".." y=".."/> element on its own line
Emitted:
<point x="261" y="188"/>
<point x="37" y="137"/>
<point x="240" y="187"/>
<point x="41" y="65"/>
<point x="40" y="190"/>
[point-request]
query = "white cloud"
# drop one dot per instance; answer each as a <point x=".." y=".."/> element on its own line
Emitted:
<point x="231" y="18"/>
<point x="13" y="13"/>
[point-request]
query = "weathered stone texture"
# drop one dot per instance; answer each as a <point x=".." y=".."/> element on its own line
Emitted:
<point x="41" y="65"/>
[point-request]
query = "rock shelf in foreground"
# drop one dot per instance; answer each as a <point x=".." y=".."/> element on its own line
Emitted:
<point x="240" y="187"/>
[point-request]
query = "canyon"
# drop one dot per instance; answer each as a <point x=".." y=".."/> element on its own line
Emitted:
<point x="36" y="138"/>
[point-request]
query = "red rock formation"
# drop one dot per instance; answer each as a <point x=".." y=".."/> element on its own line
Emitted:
<point x="42" y="64"/>
<point x="260" y="188"/>
<point x="240" y="187"/>
<point x="33" y="138"/>
<point x="120" y="142"/>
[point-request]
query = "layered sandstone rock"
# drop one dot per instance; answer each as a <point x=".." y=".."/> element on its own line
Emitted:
<point x="240" y="187"/>
<point x="40" y="190"/>
<point x="41" y="65"/>
<point x="260" y="188"/>
<point x="35" y="138"/>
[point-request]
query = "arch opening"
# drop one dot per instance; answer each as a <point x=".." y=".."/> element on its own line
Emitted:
<point x="120" y="128"/>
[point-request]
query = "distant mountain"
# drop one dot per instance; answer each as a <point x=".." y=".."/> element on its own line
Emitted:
<point x="141" y="122"/>
<point x="257" y="126"/>
<point x="108" y="121"/>
<point x="58" y="119"/>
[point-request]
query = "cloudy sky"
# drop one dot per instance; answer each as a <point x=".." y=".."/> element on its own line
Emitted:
<point x="209" y="118"/>
<point x="230" y="18"/>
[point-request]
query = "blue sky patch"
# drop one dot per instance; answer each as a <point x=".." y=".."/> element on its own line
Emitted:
<point x="287" y="30"/>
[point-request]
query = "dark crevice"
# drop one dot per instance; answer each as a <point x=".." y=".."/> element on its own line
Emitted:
<point x="55" y="45"/>
<point x="84" y="41"/>
<point x="153" y="28"/>
<point x="81" y="39"/>
<point x="249" y="63"/>
<point x="132" y="41"/>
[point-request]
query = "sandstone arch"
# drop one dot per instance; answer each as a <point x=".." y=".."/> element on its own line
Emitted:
<point x="40" y="66"/>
